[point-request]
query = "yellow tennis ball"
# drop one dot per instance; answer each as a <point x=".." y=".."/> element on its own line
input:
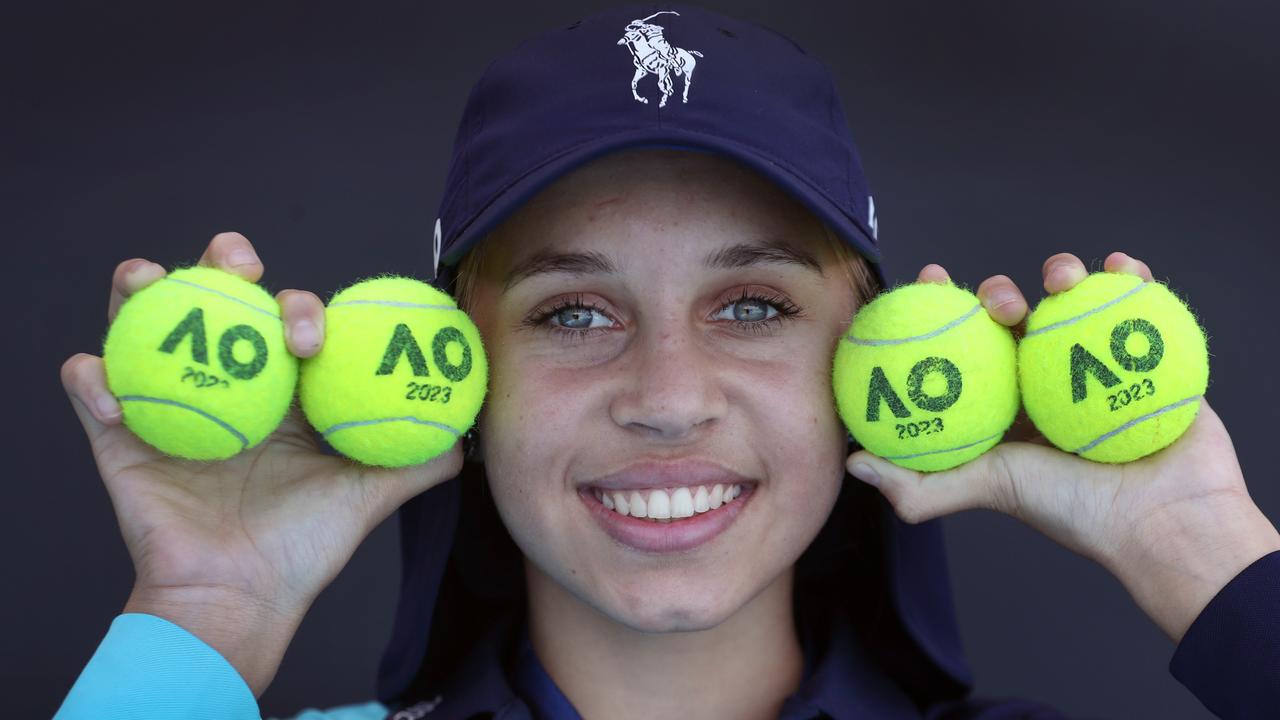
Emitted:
<point x="1114" y="368"/>
<point x="401" y="376"/>
<point x="199" y="364"/>
<point x="925" y="378"/>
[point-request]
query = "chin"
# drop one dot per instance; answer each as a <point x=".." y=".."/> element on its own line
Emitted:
<point x="664" y="616"/>
<point x="671" y="604"/>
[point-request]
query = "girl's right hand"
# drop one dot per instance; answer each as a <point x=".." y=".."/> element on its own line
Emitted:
<point x="235" y="551"/>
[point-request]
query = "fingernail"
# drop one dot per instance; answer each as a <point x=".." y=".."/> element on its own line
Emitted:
<point x="998" y="298"/>
<point x="242" y="256"/>
<point x="108" y="408"/>
<point x="863" y="472"/>
<point x="304" y="335"/>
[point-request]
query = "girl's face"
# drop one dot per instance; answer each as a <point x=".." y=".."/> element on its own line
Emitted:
<point x="658" y="320"/>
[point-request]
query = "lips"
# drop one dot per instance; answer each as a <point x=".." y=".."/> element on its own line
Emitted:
<point x="683" y="473"/>
<point x="664" y="505"/>
<point x="670" y="527"/>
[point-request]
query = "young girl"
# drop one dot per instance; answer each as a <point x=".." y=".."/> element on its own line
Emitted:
<point x="654" y="519"/>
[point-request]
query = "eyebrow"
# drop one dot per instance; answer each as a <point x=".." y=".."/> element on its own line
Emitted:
<point x="741" y="255"/>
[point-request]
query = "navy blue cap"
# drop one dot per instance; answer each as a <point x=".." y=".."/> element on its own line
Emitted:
<point x="651" y="76"/>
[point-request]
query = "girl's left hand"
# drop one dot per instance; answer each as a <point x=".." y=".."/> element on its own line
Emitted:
<point x="1174" y="527"/>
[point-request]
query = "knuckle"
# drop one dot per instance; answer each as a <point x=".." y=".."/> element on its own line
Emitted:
<point x="1058" y="258"/>
<point x="123" y="269"/>
<point x="904" y="505"/>
<point x="300" y="304"/>
<point x="911" y="513"/>
<point x="228" y="236"/>
<point x="1002" y="489"/>
<point x="299" y="297"/>
<point x="75" y="371"/>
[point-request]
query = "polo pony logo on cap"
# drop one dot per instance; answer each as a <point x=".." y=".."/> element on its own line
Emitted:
<point x="651" y="53"/>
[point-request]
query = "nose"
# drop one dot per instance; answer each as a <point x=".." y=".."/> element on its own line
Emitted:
<point x="671" y="387"/>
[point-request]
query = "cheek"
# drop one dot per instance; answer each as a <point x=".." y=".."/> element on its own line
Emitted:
<point x="530" y="429"/>
<point x="531" y="412"/>
<point x="801" y="437"/>
<point x="795" y="405"/>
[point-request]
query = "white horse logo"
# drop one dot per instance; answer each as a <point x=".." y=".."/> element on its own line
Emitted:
<point x="651" y="53"/>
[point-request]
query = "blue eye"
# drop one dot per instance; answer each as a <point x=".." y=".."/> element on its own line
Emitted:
<point x="749" y="310"/>
<point x="574" y="317"/>
<point x="756" y="314"/>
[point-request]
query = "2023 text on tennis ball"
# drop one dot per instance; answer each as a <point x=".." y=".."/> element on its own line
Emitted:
<point x="402" y="374"/>
<point x="1113" y="369"/>
<point x="404" y="344"/>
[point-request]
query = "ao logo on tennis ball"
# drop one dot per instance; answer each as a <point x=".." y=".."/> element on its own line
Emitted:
<point x="401" y="376"/>
<point x="880" y="390"/>
<point x="403" y="344"/>
<point x="1084" y="363"/>
<point x="1145" y="352"/>
<point x="945" y="370"/>
<point x="193" y="326"/>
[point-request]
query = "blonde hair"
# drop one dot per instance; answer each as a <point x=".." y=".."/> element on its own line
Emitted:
<point x="856" y="269"/>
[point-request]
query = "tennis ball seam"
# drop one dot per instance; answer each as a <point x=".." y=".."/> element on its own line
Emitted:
<point x="224" y="296"/>
<point x="397" y="304"/>
<point x="1092" y="311"/>
<point x="1133" y="423"/>
<point x="926" y="336"/>
<point x="944" y="450"/>
<point x="244" y="441"/>
<point x="377" y="421"/>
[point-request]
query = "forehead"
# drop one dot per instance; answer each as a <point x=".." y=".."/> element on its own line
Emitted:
<point x="670" y="199"/>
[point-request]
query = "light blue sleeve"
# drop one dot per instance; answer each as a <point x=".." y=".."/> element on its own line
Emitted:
<point x="148" y="668"/>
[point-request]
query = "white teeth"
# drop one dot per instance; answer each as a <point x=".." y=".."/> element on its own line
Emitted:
<point x="682" y="503"/>
<point x="667" y="504"/>
<point x="659" y="505"/>
<point x="636" y="502"/>
<point x="701" y="500"/>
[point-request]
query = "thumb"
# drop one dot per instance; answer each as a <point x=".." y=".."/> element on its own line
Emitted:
<point x="84" y="380"/>
<point x="994" y="480"/>
<point x="384" y="490"/>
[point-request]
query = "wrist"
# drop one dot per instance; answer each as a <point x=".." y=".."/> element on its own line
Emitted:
<point x="250" y="634"/>
<point x="1178" y="559"/>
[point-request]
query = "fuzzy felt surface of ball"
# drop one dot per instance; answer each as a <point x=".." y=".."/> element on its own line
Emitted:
<point x="925" y="378"/>
<point x="199" y="364"/>
<point x="401" y="376"/>
<point x="1114" y="368"/>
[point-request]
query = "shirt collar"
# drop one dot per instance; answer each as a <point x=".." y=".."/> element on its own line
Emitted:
<point x="840" y="681"/>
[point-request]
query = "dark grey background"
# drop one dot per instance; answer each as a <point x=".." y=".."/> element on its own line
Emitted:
<point x="994" y="134"/>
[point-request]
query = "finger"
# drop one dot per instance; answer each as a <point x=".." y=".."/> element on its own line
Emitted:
<point x="1040" y="486"/>
<point x="985" y="482"/>
<point x="85" y="381"/>
<point x="130" y="277"/>
<point x="933" y="273"/>
<point x="1121" y="262"/>
<point x="1003" y="300"/>
<point x="1062" y="272"/>
<point x="303" y="316"/>
<point x="232" y="252"/>
<point x="382" y="490"/>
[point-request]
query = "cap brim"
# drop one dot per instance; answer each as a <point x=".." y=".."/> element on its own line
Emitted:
<point x="519" y="192"/>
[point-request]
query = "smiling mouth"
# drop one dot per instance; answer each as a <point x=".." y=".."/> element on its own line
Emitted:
<point x="663" y="505"/>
